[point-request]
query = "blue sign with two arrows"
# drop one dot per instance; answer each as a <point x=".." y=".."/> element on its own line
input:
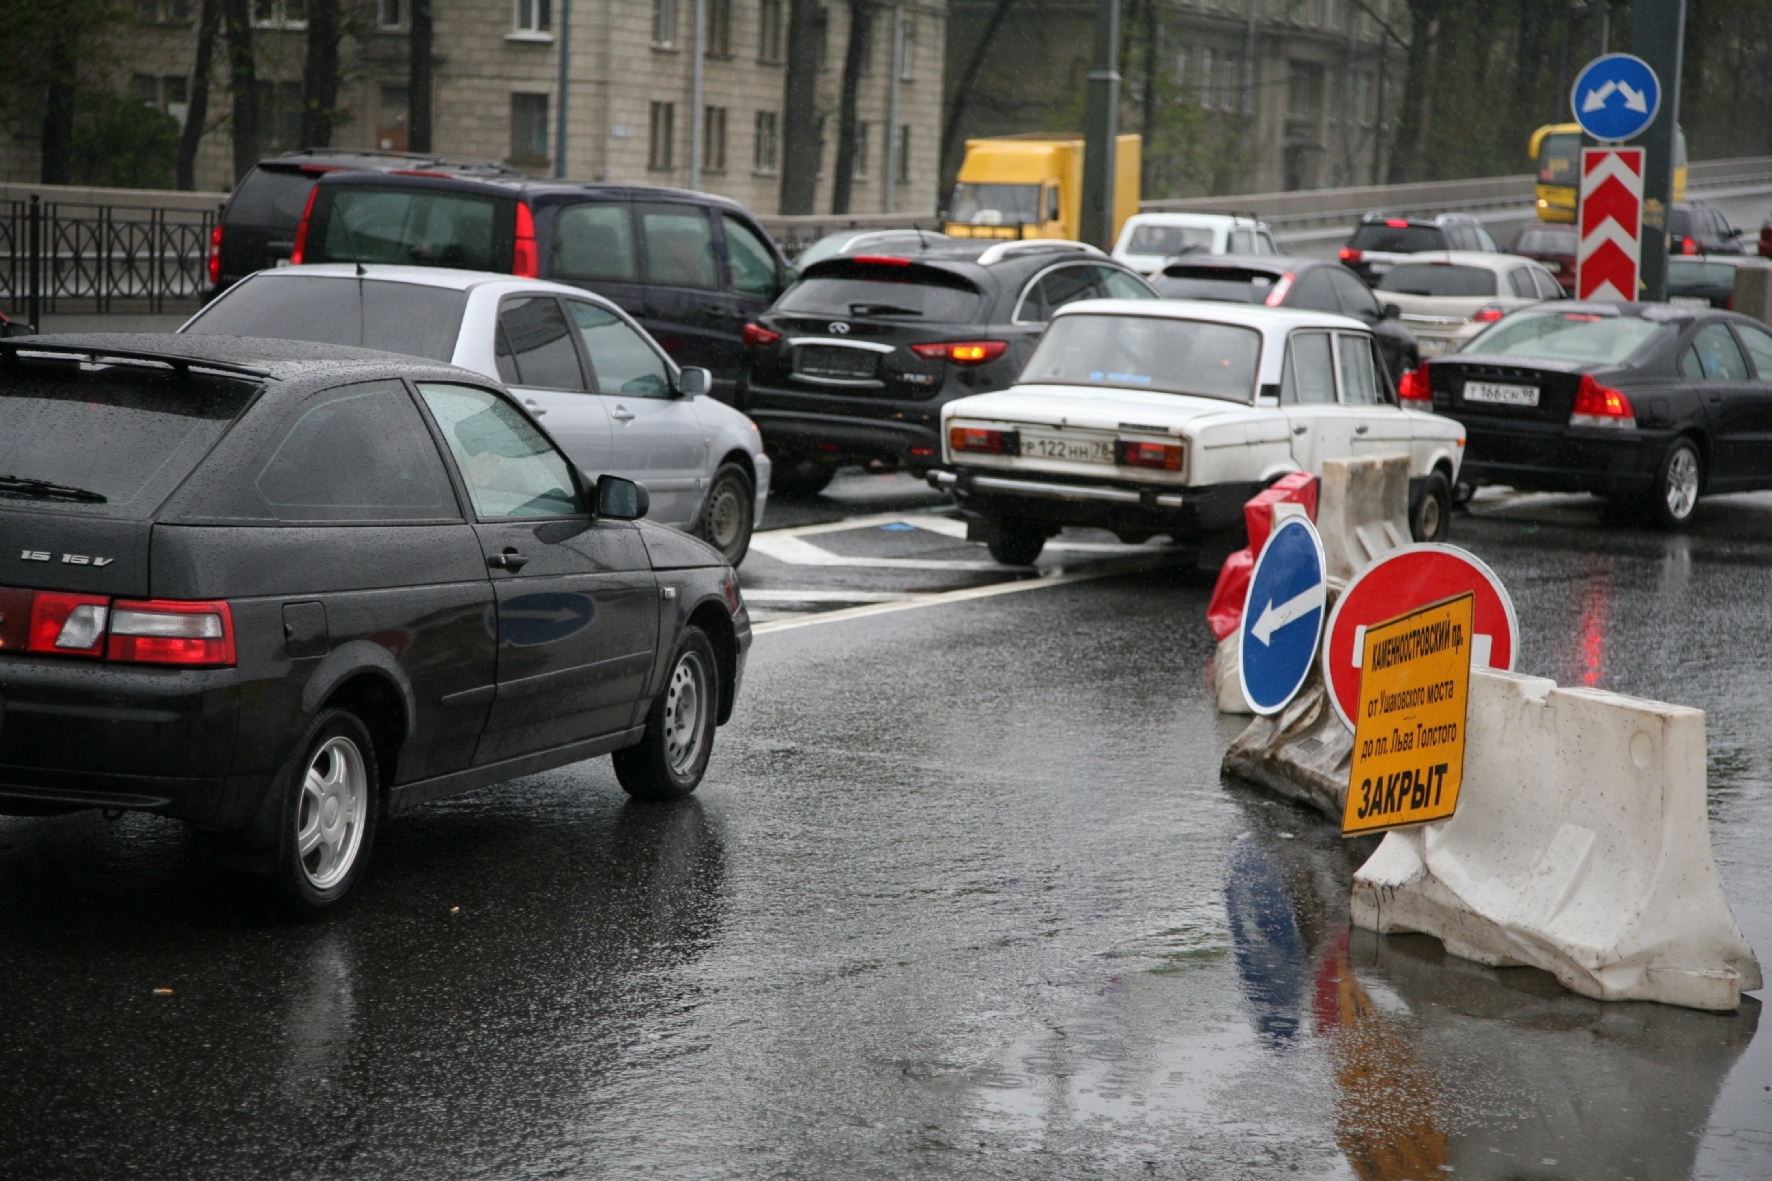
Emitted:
<point x="1282" y="616"/>
<point x="1615" y="97"/>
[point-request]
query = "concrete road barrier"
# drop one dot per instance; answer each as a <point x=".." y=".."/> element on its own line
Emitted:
<point x="1753" y="291"/>
<point x="1364" y="510"/>
<point x="1581" y="846"/>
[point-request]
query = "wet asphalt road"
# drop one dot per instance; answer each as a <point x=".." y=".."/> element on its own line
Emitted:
<point x="963" y="896"/>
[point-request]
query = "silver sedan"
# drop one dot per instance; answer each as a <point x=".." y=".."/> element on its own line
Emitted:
<point x="610" y="396"/>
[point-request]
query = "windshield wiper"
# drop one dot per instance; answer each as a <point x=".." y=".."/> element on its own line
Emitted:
<point x="45" y="490"/>
<point x="881" y="309"/>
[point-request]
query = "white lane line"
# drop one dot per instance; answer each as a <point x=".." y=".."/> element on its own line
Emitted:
<point x="789" y="595"/>
<point x="958" y="596"/>
<point x="789" y="545"/>
<point x="797" y="552"/>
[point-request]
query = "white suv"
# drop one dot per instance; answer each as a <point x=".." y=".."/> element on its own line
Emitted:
<point x="1149" y="239"/>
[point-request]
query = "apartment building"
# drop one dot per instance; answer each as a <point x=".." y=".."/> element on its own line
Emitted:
<point x="631" y="79"/>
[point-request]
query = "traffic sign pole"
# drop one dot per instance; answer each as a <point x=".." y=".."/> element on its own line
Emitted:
<point x="1658" y="36"/>
<point x="1608" y="249"/>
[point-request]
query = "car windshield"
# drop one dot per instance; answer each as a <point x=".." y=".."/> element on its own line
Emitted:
<point x="1568" y="336"/>
<point x="1688" y="273"/>
<point x="1537" y="240"/>
<point x="408" y="226"/>
<point x="1167" y="240"/>
<point x="860" y="289"/>
<point x="1397" y="239"/>
<point x="1156" y="353"/>
<point x="1435" y="279"/>
<point x="408" y="318"/>
<point x="994" y="205"/>
<point x="272" y="197"/>
<point x="1230" y="284"/>
<point x="111" y="439"/>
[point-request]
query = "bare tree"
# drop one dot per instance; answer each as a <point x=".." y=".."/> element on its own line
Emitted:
<point x="319" y="78"/>
<point x="243" y="83"/>
<point x="191" y="136"/>
<point x="418" y="86"/>
<point x="963" y="87"/>
<point x="58" y="104"/>
<point x="801" y="144"/>
<point x="861" y="42"/>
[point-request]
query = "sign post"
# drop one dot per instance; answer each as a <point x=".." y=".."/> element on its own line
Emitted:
<point x="1658" y="36"/>
<point x="1408" y="760"/>
<point x="1609" y="252"/>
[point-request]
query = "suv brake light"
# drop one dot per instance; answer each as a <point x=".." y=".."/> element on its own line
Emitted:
<point x="1397" y="223"/>
<point x="1277" y="296"/>
<point x="757" y="336"/>
<point x="215" y="240"/>
<point x="1688" y="245"/>
<point x="161" y="631"/>
<point x="966" y="438"/>
<point x="1415" y="387"/>
<point x="1599" y="405"/>
<point x="1488" y="314"/>
<point x="68" y="625"/>
<point x="1349" y="254"/>
<point x="525" y="258"/>
<point x="881" y="260"/>
<point x="301" y="231"/>
<point x="962" y="352"/>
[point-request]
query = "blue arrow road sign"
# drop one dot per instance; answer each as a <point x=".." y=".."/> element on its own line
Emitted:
<point x="1282" y="616"/>
<point x="1616" y="97"/>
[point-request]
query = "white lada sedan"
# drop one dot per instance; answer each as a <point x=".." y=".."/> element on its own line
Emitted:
<point x="1148" y="418"/>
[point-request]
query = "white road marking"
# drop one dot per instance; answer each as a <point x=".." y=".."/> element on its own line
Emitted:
<point x="789" y="595"/>
<point x="788" y="545"/>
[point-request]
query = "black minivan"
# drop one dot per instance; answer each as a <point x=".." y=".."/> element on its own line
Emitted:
<point x="282" y="590"/>
<point x="691" y="267"/>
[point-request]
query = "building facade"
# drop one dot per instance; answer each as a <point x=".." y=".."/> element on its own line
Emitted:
<point x="630" y="93"/>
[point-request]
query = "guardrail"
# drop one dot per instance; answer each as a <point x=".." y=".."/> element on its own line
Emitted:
<point x="58" y="256"/>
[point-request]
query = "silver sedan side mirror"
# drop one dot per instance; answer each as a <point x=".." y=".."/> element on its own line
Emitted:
<point x="693" y="380"/>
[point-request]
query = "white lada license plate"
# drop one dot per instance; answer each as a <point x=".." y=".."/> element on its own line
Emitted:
<point x="1499" y="394"/>
<point x="1035" y="445"/>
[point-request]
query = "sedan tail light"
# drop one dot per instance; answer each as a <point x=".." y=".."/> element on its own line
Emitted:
<point x="1599" y="405"/>
<point x="161" y="631"/>
<point x="215" y="240"/>
<point x="1416" y="388"/>
<point x="962" y="352"/>
<point x="1488" y="314"/>
<point x="525" y="258"/>
<point x="1162" y="456"/>
<point x="1688" y="245"/>
<point x="68" y="625"/>
<point x="757" y="336"/>
<point x="301" y="231"/>
<point x="1349" y="254"/>
<point x="1277" y="296"/>
<point x="988" y="442"/>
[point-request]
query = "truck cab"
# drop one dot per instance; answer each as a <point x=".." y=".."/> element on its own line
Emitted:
<point x="1032" y="187"/>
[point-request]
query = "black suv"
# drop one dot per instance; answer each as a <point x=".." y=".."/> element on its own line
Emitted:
<point x="281" y="590"/>
<point x="691" y="267"/>
<point x="1694" y="227"/>
<point x="258" y="224"/>
<point x="1282" y="282"/>
<point x="855" y="361"/>
<point x="1382" y="240"/>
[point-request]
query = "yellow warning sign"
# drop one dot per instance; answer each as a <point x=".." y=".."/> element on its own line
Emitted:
<point x="1415" y="673"/>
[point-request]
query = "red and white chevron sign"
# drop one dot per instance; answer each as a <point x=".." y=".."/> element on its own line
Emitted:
<point x="1611" y="248"/>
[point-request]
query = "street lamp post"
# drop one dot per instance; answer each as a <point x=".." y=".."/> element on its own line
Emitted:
<point x="1101" y="126"/>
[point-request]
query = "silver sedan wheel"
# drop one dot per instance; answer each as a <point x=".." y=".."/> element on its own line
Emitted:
<point x="685" y="713"/>
<point x="726" y="516"/>
<point x="333" y="812"/>
<point x="1682" y="483"/>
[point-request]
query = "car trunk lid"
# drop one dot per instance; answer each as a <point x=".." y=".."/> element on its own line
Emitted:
<point x="1505" y="390"/>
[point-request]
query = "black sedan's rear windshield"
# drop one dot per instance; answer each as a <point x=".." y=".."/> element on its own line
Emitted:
<point x="410" y="318"/>
<point x="1439" y="279"/>
<point x="1568" y="336"/>
<point x="112" y="440"/>
<point x="1148" y="353"/>
<point x="1688" y="273"/>
<point x="1230" y="284"/>
<point x="891" y="291"/>
<point x="414" y="227"/>
<point x="1403" y="239"/>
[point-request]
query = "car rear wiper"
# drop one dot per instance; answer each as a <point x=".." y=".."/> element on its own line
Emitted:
<point x="45" y="490"/>
<point x="881" y="309"/>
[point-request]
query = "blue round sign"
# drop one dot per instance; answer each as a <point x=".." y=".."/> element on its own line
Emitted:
<point x="1615" y="97"/>
<point x="1282" y="616"/>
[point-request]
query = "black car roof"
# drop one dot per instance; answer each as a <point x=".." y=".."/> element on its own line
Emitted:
<point x="529" y="188"/>
<point x="1252" y="262"/>
<point x="283" y="360"/>
<point x="373" y="160"/>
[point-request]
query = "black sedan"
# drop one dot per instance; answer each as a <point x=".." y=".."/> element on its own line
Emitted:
<point x="282" y="591"/>
<point x="1644" y="403"/>
<point x="1309" y="283"/>
<point x="1705" y="281"/>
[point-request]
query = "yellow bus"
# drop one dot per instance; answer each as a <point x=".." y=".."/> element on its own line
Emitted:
<point x="1555" y="149"/>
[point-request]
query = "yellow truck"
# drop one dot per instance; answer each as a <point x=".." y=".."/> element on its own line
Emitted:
<point x="1031" y="186"/>
<point x="1555" y="149"/>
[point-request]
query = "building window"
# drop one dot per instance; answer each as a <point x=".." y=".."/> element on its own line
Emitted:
<point x="659" y="135"/>
<point x="279" y="115"/>
<point x="769" y="31"/>
<point x="163" y="12"/>
<point x="532" y="17"/>
<point x="391" y="125"/>
<point x="529" y="127"/>
<point x="860" y="171"/>
<point x="904" y="153"/>
<point x="713" y="139"/>
<point x="1206" y="78"/>
<point x="1304" y="90"/>
<point x="169" y="94"/>
<point x="1181" y="69"/>
<point x="280" y="14"/>
<point x="719" y="28"/>
<point x="390" y="14"/>
<point x="664" y="24"/>
<point x="763" y="146"/>
<point x="908" y="66"/>
<point x="1231" y="90"/>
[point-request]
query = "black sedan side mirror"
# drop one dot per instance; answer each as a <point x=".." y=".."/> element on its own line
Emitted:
<point x="1392" y="311"/>
<point x="693" y="380"/>
<point x="621" y="499"/>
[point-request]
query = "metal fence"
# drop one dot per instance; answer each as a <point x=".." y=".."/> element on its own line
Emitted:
<point x="76" y="257"/>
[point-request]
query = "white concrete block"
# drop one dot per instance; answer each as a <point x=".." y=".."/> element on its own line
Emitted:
<point x="1581" y="846"/>
<point x="1226" y="682"/>
<point x="1362" y="511"/>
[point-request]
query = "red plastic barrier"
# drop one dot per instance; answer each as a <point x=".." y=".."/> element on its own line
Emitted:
<point x="1225" y="611"/>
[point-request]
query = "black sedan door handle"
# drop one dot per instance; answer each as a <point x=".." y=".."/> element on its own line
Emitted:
<point x="509" y="560"/>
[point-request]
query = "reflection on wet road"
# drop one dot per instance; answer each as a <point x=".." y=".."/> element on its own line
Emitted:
<point x="963" y="897"/>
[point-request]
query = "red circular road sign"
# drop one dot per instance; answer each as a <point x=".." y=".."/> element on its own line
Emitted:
<point x="1401" y="581"/>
